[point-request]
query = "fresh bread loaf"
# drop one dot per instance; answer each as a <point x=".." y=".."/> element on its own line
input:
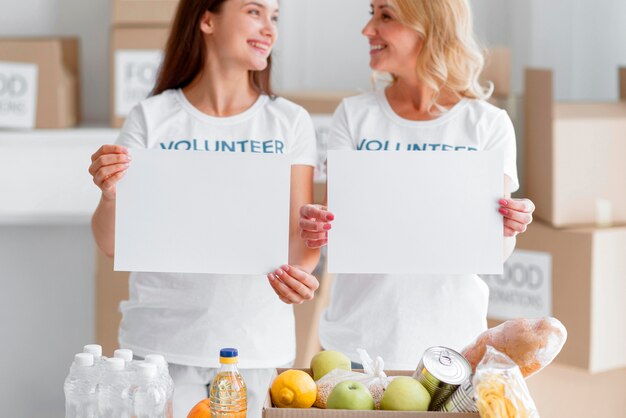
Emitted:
<point x="531" y="343"/>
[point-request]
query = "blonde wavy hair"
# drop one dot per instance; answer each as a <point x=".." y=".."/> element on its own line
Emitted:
<point x="450" y="57"/>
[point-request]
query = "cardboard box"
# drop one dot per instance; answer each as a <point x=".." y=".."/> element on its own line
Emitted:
<point x="58" y="91"/>
<point x="111" y="289"/>
<point x="269" y="411"/>
<point x="561" y="391"/>
<point x="318" y="101"/>
<point x="144" y="12"/>
<point x="497" y="69"/>
<point x="136" y="55"/>
<point x="574" y="156"/>
<point x="588" y="291"/>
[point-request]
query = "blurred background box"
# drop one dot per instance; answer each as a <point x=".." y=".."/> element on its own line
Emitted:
<point x="58" y="81"/>
<point x="589" y="291"/>
<point x="147" y="12"/>
<point x="136" y="54"/>
<point x="561" y="391"/>
<point x="574" y="156"/>
<point x="498" y="70"/>
<point x="318" y="101"/>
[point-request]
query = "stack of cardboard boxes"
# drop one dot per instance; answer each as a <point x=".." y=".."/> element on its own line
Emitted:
<point x="571" y="262"/>
<point x="138" y="37"/>
<point x="39" y="83"/>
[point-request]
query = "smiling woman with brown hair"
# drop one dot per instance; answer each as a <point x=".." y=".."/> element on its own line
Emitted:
<point x="214" y="84"/>
<point x="434" y="102"/>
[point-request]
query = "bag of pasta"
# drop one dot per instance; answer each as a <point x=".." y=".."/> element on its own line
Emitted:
<point x="373" y="378"/>
<point x="500" y="388"/>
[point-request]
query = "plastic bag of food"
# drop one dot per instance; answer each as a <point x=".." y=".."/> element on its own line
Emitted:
<point x="531" y="343"/>
<point x="500" y="388"/>
<point x="374" y="379"/>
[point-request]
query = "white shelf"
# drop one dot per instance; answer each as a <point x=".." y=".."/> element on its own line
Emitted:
<point x="44" y="177"/>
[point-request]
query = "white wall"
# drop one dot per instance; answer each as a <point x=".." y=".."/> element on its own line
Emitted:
<point x="321" y="46"/>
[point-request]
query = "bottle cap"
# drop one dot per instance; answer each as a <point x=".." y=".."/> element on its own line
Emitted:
<point x="229" y="355"/>
<point x="83" y="359"/>
<point x="123" y="353"/>
<point x="155" y="359"/>
<point x="94" y="349"/>
<point x="229" y="352"/>
<point x="115" y="364"/>
<point x="147" y="369"/>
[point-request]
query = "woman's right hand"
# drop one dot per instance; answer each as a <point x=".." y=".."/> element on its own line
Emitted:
<point x="315" y="224"/>
<point x="108" y="166"/>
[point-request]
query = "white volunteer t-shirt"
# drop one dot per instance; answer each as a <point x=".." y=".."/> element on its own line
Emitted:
<point x="189" y="317"/>
<point x="398" y="317"/>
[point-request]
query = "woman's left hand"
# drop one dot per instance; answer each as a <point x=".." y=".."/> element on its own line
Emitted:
<point x="293" y="285"/>
<point x="518" y="214"/>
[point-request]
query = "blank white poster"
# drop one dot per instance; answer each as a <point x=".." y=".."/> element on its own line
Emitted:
<point x="415" y="213"/>
<point x="198" y="212"/>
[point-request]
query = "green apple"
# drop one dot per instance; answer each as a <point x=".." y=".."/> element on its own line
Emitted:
<point x="325" y="361"/>
<point x="350" y="395"/>
<point x="405" y="394"/>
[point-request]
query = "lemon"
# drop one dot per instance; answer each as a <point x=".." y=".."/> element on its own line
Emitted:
<point x="293" y="389"/>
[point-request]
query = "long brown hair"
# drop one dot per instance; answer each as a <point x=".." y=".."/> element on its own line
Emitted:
<point x="185" y="53"/>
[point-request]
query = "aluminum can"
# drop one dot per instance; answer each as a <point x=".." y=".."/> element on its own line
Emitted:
<point x="462" y="400"/>
<point x="441" y="371"/>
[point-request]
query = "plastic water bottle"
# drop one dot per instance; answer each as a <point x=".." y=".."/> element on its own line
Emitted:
<point x="166" y="380"/>
<point x="113" y="400"/>
<point x="80" y="388"/>
<point x="126" y="355"/>
<point x="228" y="390"/>
<point x="147" y="394"/>
<point x="96" y="351"/>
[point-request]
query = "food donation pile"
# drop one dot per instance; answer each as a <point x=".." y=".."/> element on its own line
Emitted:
<point x="486" y="377"/>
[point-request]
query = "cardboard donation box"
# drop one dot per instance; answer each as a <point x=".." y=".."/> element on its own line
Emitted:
<point x="497" y="70"/>
<point x="587" y="269"/>
<point x="269" y="411"/>
<point x="137" y="53"/>
<point x="317" y="101"/>
<point x="39" y="83"/>
<point x="144" y="11"/>
<point x="574" y="156"/>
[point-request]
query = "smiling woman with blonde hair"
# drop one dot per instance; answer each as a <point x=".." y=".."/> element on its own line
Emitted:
<point x="434" y="102"/>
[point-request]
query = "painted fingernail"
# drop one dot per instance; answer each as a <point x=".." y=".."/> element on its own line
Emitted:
<point x="330" y="217"/>
<point x="503" y="202"/>
<point x="503" y="211"/>
<point x="327" y="227"/>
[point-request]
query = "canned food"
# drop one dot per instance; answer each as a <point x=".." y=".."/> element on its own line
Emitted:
<point x="441" y="371"/>
<point x="462" y="400"/>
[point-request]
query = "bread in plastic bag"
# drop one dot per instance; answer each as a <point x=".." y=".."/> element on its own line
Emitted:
<point x="500" y="388"/>
<point x="374" y="379"/>
<point x="531" y="343"/>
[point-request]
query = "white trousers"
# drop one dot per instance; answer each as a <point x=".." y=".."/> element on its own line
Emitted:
<point x="191" y="386"/>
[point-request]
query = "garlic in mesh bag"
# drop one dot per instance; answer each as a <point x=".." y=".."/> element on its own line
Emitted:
<point x="500" y="388"/>
<point x="373" y="378"/>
